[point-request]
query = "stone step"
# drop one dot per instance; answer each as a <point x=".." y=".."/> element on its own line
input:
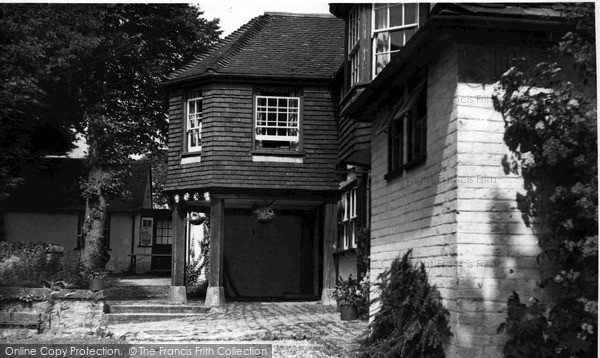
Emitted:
<point x="156" y="308"/>
<point x="136" y="292"/>
<point x="147" y="317"/>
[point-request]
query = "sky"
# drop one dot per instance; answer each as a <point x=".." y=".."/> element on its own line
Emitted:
<point x="235" y="13"/>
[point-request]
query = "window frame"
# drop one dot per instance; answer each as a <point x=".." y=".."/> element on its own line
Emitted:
<point x="354" y="45"/>
<point x="188" y="148"/>
<point x="388" y="30"/>
<point x="348" y="227"/>
<point x="277" y="95"/>
<point x="402" y="130"/>
<point x="169" y="230"/>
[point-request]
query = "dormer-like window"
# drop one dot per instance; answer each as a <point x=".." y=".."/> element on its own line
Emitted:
<point x="393" y="26"/>
<point x="354" y="45"/>
<point x="194" y="125"/>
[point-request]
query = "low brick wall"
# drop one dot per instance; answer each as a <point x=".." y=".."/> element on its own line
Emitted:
<point x="74" y="311"/>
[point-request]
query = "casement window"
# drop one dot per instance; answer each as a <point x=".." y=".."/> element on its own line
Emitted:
<point x="408" y="132"/>
<point x="164" y="232"/>
<point x="105" y="233"/>
<point x="354" y="45"/>
<point x="393" y="26"/>
<point x="277" y="122"/>
<point x="348" y="226"/>
<point x="194" y="125"/>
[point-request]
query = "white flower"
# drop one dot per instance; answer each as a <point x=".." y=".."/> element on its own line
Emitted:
<point x="588" y="328"/>
<point x="558" y="279"/>
<point x="186" y="196"/>
<point x="176" y="198"/>
<point x="591" y="307"/>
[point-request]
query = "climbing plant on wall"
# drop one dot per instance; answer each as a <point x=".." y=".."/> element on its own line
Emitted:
<point x="551" y="130"/>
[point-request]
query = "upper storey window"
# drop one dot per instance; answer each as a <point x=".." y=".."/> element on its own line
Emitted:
<point x="277" y="124"/>
<point x="354" y="45"/>
<point x="393" y="26"/>
<point x="194" y="125"/>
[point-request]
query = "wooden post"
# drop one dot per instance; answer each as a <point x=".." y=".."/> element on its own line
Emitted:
<point x="177" y="291"/>
<point x="215" y="294"/>
<point x="329" y="240"/>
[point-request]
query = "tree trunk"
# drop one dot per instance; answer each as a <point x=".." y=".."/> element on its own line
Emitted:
<point x="94" y="253"/>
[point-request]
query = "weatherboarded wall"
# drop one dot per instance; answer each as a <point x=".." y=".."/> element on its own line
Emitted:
<point x="417" y="210"/>
<point x="458" y="211"/>
<point x="493" y="239"/>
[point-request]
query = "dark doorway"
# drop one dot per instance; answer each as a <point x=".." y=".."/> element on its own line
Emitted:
<point x="162" y="246"/>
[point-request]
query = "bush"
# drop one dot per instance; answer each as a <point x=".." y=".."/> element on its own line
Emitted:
<point x="29" y="264"/>
<point x="8" y="249"/>
<point x="411" y="322"/>
<point x="550" y="128"/>
<point x="74" y="274"/>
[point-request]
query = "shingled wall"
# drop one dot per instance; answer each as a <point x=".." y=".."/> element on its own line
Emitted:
<point x="226" y="159"/>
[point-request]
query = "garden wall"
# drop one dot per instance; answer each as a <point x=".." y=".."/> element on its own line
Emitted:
<point x="64" y="311"/>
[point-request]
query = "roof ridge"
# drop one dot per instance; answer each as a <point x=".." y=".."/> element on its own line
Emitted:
<point x="254" y="26"/>
<point x="211" y="50"/>
<point x="298" y="14"/>
<point x="301" y="46"/>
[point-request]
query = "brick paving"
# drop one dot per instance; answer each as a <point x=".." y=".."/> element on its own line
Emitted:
<point x="305" y="329"/>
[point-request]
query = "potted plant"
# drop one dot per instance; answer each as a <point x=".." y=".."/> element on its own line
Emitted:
<point x="96" y="278"/>
<point x="349" y="296"/>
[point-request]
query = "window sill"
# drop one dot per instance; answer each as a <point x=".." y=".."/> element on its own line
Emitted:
<point x="398" y="172"/>
<point x="393" y="174"/>
<point x="279" y="153"/>
<point x="191" y="157"/>
<point x="144" y="246"/>
<point x="346" y="251"/>
<point x="191" y="154"/>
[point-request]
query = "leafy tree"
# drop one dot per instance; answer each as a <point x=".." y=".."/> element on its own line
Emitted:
<point x="109" y="89"/>
<point x="551" y="129"/>
<point x="122" y="104"/>
<point x="37" y="43"/>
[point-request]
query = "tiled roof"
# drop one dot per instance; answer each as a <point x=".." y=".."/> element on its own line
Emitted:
<point x="56" y="187"/>
<point x="518" y="10"/>
<point x="275" y="44"/>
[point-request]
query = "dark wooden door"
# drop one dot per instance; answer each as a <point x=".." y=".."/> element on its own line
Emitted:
<point x="163" y="245"/>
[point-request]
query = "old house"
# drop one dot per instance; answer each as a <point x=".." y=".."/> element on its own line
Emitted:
<point x="253" y="142"/>
<point x="418" y="82"/>
<point x="48" y="206"/>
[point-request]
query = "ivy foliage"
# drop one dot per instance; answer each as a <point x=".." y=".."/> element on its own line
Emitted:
<point x="412" y="321"/>
<point x="550" y="120"/>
